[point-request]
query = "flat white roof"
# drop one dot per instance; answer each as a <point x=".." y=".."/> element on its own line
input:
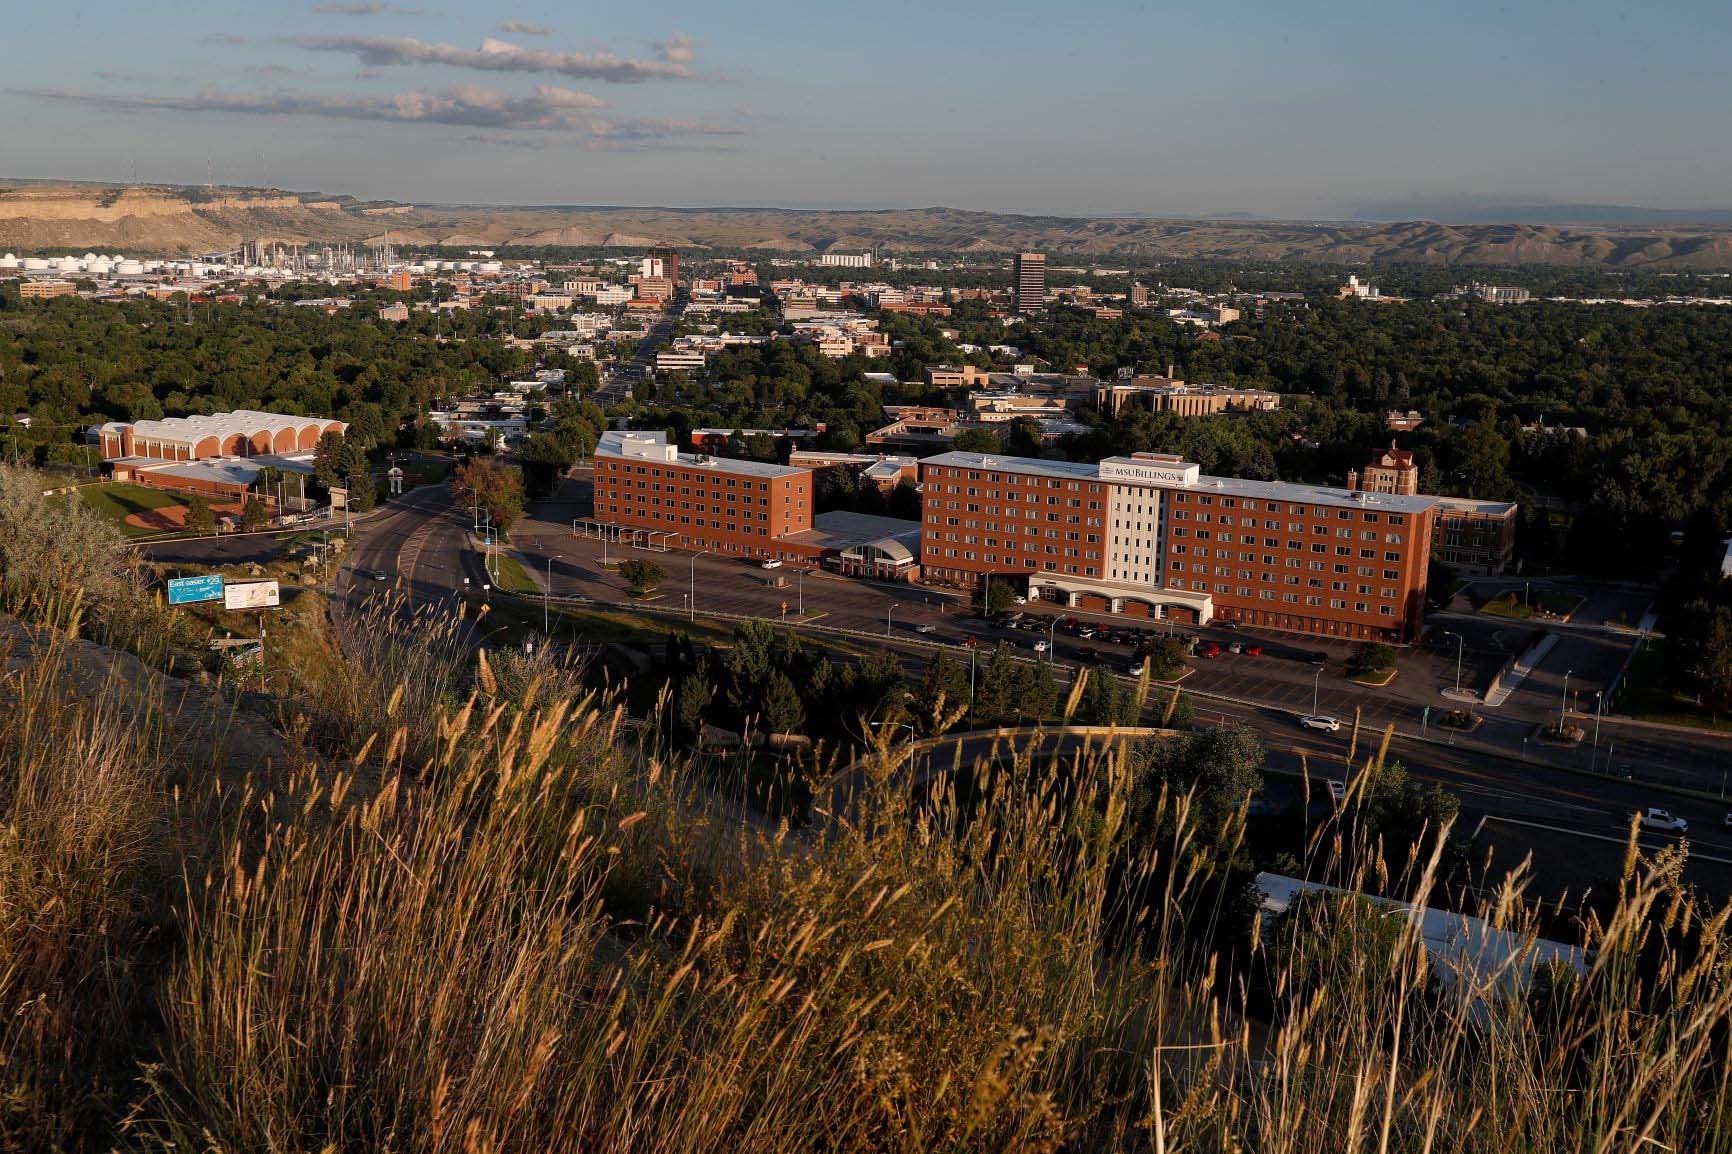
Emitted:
<point x="191" y="430"/>
<point x="653" y="446"/>
<point x="1227" y="486"/>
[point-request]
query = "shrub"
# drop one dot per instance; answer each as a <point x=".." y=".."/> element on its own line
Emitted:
<point x="642" y="577"/>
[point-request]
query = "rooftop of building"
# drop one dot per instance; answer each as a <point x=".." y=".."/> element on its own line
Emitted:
<point x="654" y="447"/>
<point x="841" y="529"/>
<point x="1221" y="486"/>
<point x="197" y="428"/>
<point x="1473" y="505"/>
<point x="240" y="471"/>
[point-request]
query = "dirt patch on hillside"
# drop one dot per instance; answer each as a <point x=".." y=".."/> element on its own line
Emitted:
<point x="174" y="516"/>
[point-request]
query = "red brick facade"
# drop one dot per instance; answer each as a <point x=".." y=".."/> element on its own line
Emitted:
<point x="709" y="506"/>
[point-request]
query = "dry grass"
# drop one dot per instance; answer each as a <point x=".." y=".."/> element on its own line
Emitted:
<point x="481" y="918"/>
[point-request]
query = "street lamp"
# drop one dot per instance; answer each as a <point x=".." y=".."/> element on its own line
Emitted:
<point x="1316" y="683"/>
<point x="1051" y="624"/>
<point x="887" y="614"/>
<point x="692" y="608"/>
<point x="546" y="591"/>
<point x="1564" y="705"/>
<point x="1599" y="704"/>
<point x="800" y="593"/>
<point x="1460" y="644"/>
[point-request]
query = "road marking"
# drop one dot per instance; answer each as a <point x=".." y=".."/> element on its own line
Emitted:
<point x="1694" y="856"/>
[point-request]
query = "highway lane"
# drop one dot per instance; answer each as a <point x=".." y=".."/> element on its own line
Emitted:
<point x="422" y="545"/>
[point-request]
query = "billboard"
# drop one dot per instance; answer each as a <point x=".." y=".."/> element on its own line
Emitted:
<point x="191" y="590"/>
<point x="252" y="595"/>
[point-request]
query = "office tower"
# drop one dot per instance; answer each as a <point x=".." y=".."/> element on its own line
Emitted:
<point x="1030" y="282"/>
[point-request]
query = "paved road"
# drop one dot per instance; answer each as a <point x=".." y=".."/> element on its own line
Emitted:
<point x="1574" y="828"/>
<point x="1283" y="676"/>
<point x="422" y="544"/>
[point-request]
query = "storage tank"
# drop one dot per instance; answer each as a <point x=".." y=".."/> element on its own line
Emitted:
<point x="35" y="264"/>
<point x="129" y="268"/>
<point x="489" y="266"/>
<point x="9" y="261"/>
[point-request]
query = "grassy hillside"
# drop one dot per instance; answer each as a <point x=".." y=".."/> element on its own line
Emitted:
<point x="472" y="906"/>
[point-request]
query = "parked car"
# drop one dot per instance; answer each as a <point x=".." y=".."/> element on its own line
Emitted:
<point x="1087" y="656"/>
<point x="1210" y="649"/>
<point x="970" y="642"/>
<point x="926" y="627"/>
<point x="772" y="563"/>
<point x="1727" y="820"/>
<point x="1656" y="818"/>
<point x="1040" y="646"/>
<point x="1337" y="791"/>
<point x="1224" y="624"/>
<point x="1137" y="669"/>
<point x="1020" y="599"/>
<point x="1253" y="651"/>
<point x="1236" y="647"/>
<point x="1321" y="721"/>
<point x="1318" y="657"/>
<point x="373" y="574"/>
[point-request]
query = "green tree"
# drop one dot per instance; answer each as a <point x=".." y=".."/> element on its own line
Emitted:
<point x="975" y="441"/>
<point x="1222" y="765"/>
<point x="1165" y="658"/>
<point x="199" y="516"/>
<point x="782" y="710"/>
<point x="254" y="515"/>
<point x="642" y="577"/>
<point x="1374" y="657"/>
<point x="1105" y="701"/>
<point x="1001" y="682"/>
<point x="994" y="596"/>
<point x="495" y="486"/>
<point x="1712" y="667"/>
<point x="942" y="697"/>
<point x="328" y="460"/>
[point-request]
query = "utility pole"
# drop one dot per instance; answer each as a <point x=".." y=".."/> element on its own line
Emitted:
<point x="1460" y="644"/>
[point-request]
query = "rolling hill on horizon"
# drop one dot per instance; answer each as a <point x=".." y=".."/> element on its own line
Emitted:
<point x="43" y="215"/>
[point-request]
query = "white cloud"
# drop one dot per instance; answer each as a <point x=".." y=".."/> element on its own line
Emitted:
<point x="363" y="8"/>
<point x="501" y="56"/>
<point x="677" y="50"/>
<point x="549" y="109"/>
<point x="524" y="28"/>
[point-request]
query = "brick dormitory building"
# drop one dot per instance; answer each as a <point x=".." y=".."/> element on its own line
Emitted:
<point x="1144" y="536"/>
<point x="1150" y="536"/>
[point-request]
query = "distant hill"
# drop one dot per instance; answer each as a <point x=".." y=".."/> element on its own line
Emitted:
<point x="35" y="216"/>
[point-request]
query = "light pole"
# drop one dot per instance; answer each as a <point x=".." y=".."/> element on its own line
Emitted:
<point x="692" y="609"/>
<point x="1051" y="624"/>
<point x="1460" y="644"/>
<point x="1564" y="705"/>
<point x="800" y="593"/>
<point x="1316" y="683"/>
<point x="972" y="651"/>
<point x="546" y="591"/>
<point x="887" y="614"/>
<point x="1599" y="704"/>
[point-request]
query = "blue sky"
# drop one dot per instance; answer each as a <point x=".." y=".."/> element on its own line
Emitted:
<point x="1306" y="109"/>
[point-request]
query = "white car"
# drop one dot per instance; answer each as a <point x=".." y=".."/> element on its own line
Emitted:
<point x="1137" y="669"/>
<point x="926" y="627"/>
<point x="1320" y="721"/>
<point x="1656" y="818"/>
<point x="1337" y="791"/>
<point x="1020" y="599"/>
<point x="1041" y="647"/>
<point x="772" y="563"/>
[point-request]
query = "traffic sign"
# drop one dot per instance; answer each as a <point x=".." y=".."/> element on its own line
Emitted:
<point x="191" y="590"/>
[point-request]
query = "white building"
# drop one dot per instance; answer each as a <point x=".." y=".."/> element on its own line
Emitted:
<point x="846" y="259"/>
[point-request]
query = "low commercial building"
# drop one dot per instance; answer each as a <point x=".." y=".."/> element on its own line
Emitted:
<point x="41" y="290"/>
<point x="1150" y="536"/>
<point x="884" y="470"/>
<point x="862" y="545"/>
<point x="738" y="508"/>
<point x="242" y="433"/>
<point x="1168" y="395"/>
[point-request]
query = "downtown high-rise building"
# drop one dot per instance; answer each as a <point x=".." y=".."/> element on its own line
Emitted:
<point x="1030" y="276"/>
